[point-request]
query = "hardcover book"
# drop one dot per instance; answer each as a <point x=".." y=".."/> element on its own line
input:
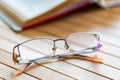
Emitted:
<point x="23" y="14"/>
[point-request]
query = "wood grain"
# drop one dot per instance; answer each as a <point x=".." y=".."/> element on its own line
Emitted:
<point x="92" y="19"/>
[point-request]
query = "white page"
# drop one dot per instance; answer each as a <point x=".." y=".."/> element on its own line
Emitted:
<point x="32" y="8"/>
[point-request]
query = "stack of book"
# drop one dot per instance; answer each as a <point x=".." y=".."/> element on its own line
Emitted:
<point x="23" y="14"/>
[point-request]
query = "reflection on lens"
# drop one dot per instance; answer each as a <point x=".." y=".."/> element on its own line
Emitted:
<point x="79" y="41"/>
<point x="36" y="48"/>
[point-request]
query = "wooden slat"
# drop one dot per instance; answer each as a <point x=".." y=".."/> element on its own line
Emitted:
<point x="7" y="74"/>
<point x="13" y="39"/>
<point x="61" y="69"/>
<point x="109" y="49"/>
<point x="47" y="66"/>
<point x="37" y="70"/>
<point x="104" y="22"/>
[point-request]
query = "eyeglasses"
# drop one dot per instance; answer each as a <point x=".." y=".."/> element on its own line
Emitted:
<point x="46" y="50"/>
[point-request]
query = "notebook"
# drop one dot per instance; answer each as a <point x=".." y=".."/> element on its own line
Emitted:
<point x="23" y="14"/>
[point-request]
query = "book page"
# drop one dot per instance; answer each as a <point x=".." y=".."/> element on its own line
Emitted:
<point x="31" y="8"/>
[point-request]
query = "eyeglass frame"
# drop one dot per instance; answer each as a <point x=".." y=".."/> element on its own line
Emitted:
<point x="93" y="49"/>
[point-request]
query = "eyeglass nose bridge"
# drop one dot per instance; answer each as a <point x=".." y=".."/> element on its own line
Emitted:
<point x="54" y="46"/>
<point x="66" y="45"/>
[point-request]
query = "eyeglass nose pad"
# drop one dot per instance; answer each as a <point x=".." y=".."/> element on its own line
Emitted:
<point x="67" y="47"/>
<point x="54" y="51"/>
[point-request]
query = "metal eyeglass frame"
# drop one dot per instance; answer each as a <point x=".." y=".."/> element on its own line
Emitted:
<point x="75" y="54"/>
<point x="17" y="57"/>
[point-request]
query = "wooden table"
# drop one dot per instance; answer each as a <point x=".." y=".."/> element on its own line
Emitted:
<point x="92" y="19"/>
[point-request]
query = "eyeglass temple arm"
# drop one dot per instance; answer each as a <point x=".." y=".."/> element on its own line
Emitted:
<point x="78" y="56"/>
<point x="61" y="57"/>
<point x="67" y="56"/>
<point x="22" y="69"/>
<point x="58" y="57"/>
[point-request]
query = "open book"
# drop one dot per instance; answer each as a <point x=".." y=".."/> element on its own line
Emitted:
<point x="23" y="14"/>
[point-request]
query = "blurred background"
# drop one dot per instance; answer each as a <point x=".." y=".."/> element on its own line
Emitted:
<point x="88" y="19"/>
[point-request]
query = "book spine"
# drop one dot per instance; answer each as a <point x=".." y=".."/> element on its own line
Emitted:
<point x="59" y="14"/>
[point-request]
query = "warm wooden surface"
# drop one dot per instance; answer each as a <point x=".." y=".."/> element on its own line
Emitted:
<point x="92" y="19"/>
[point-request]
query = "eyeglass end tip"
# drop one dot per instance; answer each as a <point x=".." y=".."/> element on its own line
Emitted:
<point x="16" y="73"/>
<point x="14" y="62"/>
<point x="98" y="60"/>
